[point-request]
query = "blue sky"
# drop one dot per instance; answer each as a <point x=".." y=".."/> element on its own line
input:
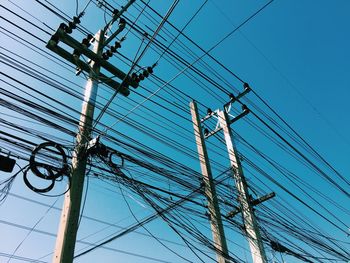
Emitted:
<point x="294" y="54"/>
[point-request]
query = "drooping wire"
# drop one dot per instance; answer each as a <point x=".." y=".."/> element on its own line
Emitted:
<point x="7" y="184"/>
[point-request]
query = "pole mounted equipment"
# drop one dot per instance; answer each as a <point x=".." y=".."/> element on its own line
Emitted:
<point x="6" y="163"/>
<point x="63" y="34"/>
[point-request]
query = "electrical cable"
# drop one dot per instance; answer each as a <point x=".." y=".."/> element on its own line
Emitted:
<point x="30" y="231"/>
<point x="193" y="211"/>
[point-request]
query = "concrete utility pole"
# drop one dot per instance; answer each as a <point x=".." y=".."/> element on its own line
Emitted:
<point x="251" y="226"/>
<point x="67" y="232"/>
<point x="210" y="192"/>
<point x="245" y="200"/>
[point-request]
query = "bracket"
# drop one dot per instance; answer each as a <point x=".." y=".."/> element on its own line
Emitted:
<point x="84" y="66"/>
<point x="227" y="108"/>
<point x="253" y="202"/>
<point x="245" y="112"/>
<point x="240" y="95"/>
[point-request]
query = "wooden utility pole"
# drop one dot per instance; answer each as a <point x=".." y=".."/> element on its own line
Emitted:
<point x="251" y="226"/>
<point x="210" y="192"/>
<point x="67" y="232"/>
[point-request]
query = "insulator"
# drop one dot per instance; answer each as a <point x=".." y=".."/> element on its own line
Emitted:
<point x="209" y="111"/>
<point x="113" y="49"/>
<point x="105" y="56"/>
<point x="117" y="45"/>
<point x="85" y="42"/>
<point x="72" y="25"/>
<point x="63" y="26"/>
<point x="232" y="97"/>
<point x="145" y="73"/>
<point x="76" y="20"/>
<point x="68" y="29"/>
<point x="246" y="86"/>
<point x="135" y="78"/>
<point x="87" y="39"/>
<point x="206" y="132"/>
<point x="150" y="70"/>
<point x="244" y="108"/>
<point x="134" y="75"/>
<point x="115" y="12"/>
<point x="122" y="22"/>
<point x="141" y="77"/>
<point x="109" y="53"/>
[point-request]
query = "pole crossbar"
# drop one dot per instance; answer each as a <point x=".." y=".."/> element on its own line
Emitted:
<point x="85" y="67"/>
<point x="70" y="41"/>
<point x="253" y="202"/>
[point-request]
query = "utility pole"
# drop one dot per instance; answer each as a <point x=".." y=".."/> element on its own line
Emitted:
<point x="251" y="226"/>
<point x="210" y="192"/>
<point x="69" y="223"/>
<point x="67" y="231"/>
<point x="246" y="202"/>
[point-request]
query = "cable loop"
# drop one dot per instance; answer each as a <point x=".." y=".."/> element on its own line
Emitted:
<point x="53" y="173"/>
<point x="59" y="171"/>
<point x="121" y="165"/>
<point x="35" y="189"/>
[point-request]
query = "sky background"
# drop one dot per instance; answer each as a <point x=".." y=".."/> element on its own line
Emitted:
<point x="294" y="54"/>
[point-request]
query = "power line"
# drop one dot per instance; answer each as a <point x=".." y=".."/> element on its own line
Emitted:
<point x="81" y="242"/>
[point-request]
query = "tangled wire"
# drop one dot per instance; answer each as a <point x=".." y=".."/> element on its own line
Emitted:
<point x="51" y="172"/>
<point x="48" y="162"/>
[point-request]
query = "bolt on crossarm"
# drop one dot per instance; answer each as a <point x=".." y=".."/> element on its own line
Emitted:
<point x="210" y="192"/>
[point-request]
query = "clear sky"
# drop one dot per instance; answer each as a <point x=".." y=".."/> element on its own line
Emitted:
<point x="294" y="55"/>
